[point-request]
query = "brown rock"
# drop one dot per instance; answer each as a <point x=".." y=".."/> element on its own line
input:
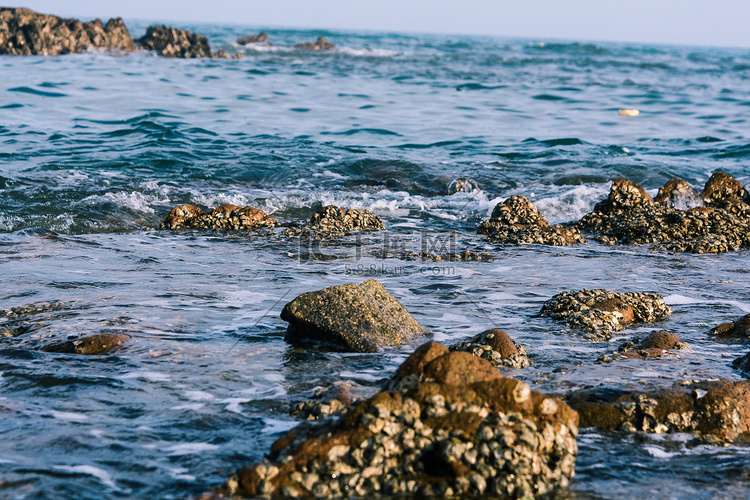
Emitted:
<point x="261" y="37"/>
<point x="102" y="343"/>
<point x="718" y="409"/>
<point x="739" y="328"/>
<point x="721" y="188"/>
<point x="25" y="32"/>
<point x="452" y="428"/>
<point x="359" y="318"/>
<point x="171" y="42"/>
<point x="678" y="194"/>
<point x="654" y="345"/>
<point x="320" y="44"/>
<point x="497" y="347"/>
<point x="225" y="217"/>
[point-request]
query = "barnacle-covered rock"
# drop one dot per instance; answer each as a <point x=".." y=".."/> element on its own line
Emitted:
<point x="601" y="312"/>
<point x="517" y="220"/>
<point x="225" y="217"/>
<point x="447" y="425"/>
<point x="678" y="221"/>
<point x="655" y="345"/>
<point x="172" y="42"/>
<point x="101" y="343"/>
<point x="332" y="221"/>
<point x="719" y="410"/>
<point x="352" y="317"/>
<point x="497" y="347"/>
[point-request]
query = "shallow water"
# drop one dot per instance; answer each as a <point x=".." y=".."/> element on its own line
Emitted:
<point x="95" y="149"/>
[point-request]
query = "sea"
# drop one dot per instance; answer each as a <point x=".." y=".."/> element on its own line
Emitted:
<point x="96" y="148"/>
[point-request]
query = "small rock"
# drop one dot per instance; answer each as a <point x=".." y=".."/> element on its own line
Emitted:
<point x="654" y="345"/>
<point x="601" y="312"/>
<point x="739" y="328"/>
<point x="497" y="347"/>
<point x="225" y="217"/>
<point x="261" y="37"/>
<point x="462" y="186"/>
<point x="102" y="343"/>
<point x="359" y="318"/>
<point x="320" y="44"/>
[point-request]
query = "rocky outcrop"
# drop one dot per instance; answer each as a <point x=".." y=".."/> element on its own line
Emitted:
<point x="446" y="425"/>
<point x="517" y="220"/>
<point x="735" y="329"/>
<point x="261" y="37"/>
<point x="321" y="44"/>
<point x="679" y="220"/>
<point x="25" y="32"/>
<point x="172" y="42"/>
<point x="655" y="345"/>
<point x="719" y="410"/>
<point x="332" y="221"/>
<point x="601" y="312"/>
<point x="225" y="217"/>
<point x="497" y="347"/>
<point x="102" y="343"/>
<point x="350" y="317"/>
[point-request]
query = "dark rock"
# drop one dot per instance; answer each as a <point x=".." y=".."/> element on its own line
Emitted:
<point x="678" y="194"/>
<point x="25" y="32"/>
<point x="629" y="217"/>
<point x="716" y="409"/>
<point x="448" y="425"/>
<point x="517" y="220"/>
<point x="739" y="328"/>
<point x="102" y="343"/>
<point x="601" y="312"/>
<point x="497" y="347"/>
<point x="320" y="44"/>
<point x="654" y="345"/>
<point x="171" y="42"/>
<point x="261" y="37"/>
<point x="359" y="318"/>
<point x="225" y="217"/>
<point x="742" y="364"/>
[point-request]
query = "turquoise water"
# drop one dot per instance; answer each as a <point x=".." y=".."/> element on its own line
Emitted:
<point x="96" y="148"/>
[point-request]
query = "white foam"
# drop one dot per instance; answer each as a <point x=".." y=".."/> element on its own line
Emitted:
<point x="233" y="404"/>
<point x="273" y="426"/>
<point x="571" y="204"/>
<point x="189" y="406"/>
<point x="239" y="298"/>
<point x="69" y="416"/>
<point x="177" y="450"/>
<point x="366" y="52"/>
<point x="98" y="473"/>
<point x="199" y="395"/>
<point x="676" y="299"/>
<point x="134" y="200"/>
<point x="657" y="452"/>
<point x="146" y="375"/>
<point x="179" y="473"/>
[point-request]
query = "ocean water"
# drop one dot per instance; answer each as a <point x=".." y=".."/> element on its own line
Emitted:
<point x="96" y="148"/>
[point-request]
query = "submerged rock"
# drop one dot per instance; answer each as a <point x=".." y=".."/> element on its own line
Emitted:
<point x="742" y="364"/>
<point x="102" y="343"/>
<point x="225" y="217"/>
<point x="320" y="44"/>
<point x="172" y="42"/>
<point x="25" y="32"/>
<point x="630" y="217"/>
<point x="601" y="312"/>
<point x="359" y="318"/>
<point x="497" y="347"/>
<point x="716" y="409"/>
<point x="654" y="345"/>
<point x="517" y="220"/>
<point x="739" y="328"/>
<point x="446" y="425"/>
<point x="330" y="400"/>
<point x="261" y="37"/>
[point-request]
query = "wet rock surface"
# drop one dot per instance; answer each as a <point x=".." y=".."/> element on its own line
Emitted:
<point x="716" y="222"/>
<point x="717" y="410"/>
<point x="601" y="312"/>
<point x="172" y="42"/>
<point x="350" y="317"/>
<point x="332" y="221"/>
<point x="497" y="347"/>
<point x="25" y="32"/>
<point x="735" y="329"/>
<point x="225" y="217"/>
<point x="742" y="364"/>
<point x="320" y="44"/>
<point x="517" y="220"/>
<point x="446" y="425"/>
<point x="655" y="345"/>
<point x="261" y="37"/>
<point x="102" y="343"/>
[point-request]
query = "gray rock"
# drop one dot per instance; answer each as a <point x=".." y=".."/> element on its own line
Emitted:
<point x="351" y="317"/>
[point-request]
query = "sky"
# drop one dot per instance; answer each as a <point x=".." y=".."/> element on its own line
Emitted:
<point x="680" y="22"/>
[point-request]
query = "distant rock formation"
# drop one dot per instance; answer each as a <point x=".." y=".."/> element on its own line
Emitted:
<point x="261" y="37"/>
<point x="320" y="44"/>
<point x="25" y="32"/>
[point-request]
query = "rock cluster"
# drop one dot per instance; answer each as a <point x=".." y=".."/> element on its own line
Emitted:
<point x="225" y="217"/>
<point x="739" y="328"/>
<point x="172" y="42"/>
<point x="678" y="220"/>
<point x="320" y="44"/>
<point x="25" y="32"/>
<point x="601" y="312"/>
<point x="654" y="345"/>
<point x="358" y="318"/>
<point x="332" y="221"/>
<point x="719" y="410"/>
<point x="517" y="220"/>
<point x="447" y="425"/>
<point x="102" y="343"/>
<point x="261" y="37"/>
<point x="497" y="347"/>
